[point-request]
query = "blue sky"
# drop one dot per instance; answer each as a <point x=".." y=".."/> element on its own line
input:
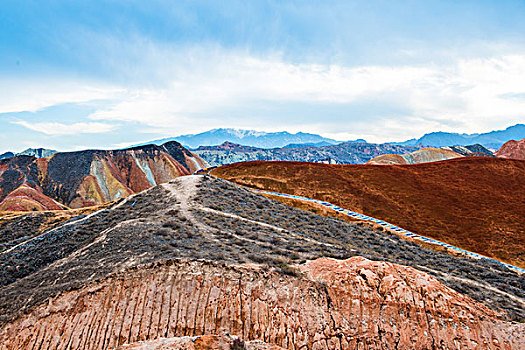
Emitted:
<point x="106" y="74"/>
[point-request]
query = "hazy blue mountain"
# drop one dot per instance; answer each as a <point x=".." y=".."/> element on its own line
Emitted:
<point x="308" y="144"/>
<point x="246" y="137"/>
<point x="319" y="144"/>
<point x="7" y="155"/>
<point x="35" y="152"/>
<point x="493" y="139"/>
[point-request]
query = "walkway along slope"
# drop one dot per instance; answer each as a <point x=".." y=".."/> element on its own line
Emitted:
<point x="369" y="219"/>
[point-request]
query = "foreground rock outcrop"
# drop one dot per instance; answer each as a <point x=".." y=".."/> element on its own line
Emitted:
<point x="334" y="304"/>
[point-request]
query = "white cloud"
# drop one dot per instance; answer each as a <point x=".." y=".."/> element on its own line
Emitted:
<point x="34" y="95"/>
<point x="196" y="90"/>
<point x="463" y="97"/>
<point x="67" y="129"/>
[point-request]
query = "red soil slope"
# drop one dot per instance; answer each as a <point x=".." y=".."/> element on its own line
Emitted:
<point x="474" y="203"/>
<point x="512" y="149"/>
<point x="27" y="198"/>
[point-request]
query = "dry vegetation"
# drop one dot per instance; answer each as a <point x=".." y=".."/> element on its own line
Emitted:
<point x="474" y="203"/>
<point x="17" y="227"/>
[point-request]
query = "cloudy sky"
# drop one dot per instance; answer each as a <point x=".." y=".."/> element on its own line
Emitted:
<point x="106" y="74"/>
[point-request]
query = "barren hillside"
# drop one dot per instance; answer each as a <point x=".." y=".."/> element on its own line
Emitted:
<point x="473" y="203"/>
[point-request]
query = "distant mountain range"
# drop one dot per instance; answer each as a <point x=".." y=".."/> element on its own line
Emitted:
<point x="35" y="152"/>
<point x="253" y="138"/>
<point x="492" y="140"/>
<point x="343" y="153"/>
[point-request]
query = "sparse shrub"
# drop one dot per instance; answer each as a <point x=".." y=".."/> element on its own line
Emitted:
<point x="294" y="256"/>
<point x="171" y="224"/>
<point x="163" y="232"/>
<point x="260" y="259"/>
<point x="288" y="270"/>
<point x="238" y="344"/>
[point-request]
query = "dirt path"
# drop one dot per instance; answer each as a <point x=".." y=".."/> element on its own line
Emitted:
<point x="184" y="189"/>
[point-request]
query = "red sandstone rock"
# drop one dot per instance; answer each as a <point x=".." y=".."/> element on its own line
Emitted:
<point x="512" y="149"/>
<point x="26" y="198"/>
<point x="348" y="304"/>
<point x="425" y="155"/>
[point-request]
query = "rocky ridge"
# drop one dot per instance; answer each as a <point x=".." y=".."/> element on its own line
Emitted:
<point x="512" y="149"/>
<point x="343" y="153"/>
<point x="424" y="155"/>
<point x="475" y="150"/>
<point x="86" y="178"/>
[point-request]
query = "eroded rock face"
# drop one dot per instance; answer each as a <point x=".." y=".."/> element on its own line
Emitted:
<point x="203" y="342"/>
<point x="512" y="149"/>
<point x="90" y="177"/>
<point x="335" y="304"/>
<point x="425" y="155"/>
<point x="26" y="198"/>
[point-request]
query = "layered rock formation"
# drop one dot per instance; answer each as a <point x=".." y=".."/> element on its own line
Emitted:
<point x="343" y="153"/>
<point x="26" y="198"/>
<point x="475" y="150"/>
<point x="337" y="304"/>
<point x="85" y="178"/>
<point x="424" y="155"/>
<point x="512" y="149"/>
